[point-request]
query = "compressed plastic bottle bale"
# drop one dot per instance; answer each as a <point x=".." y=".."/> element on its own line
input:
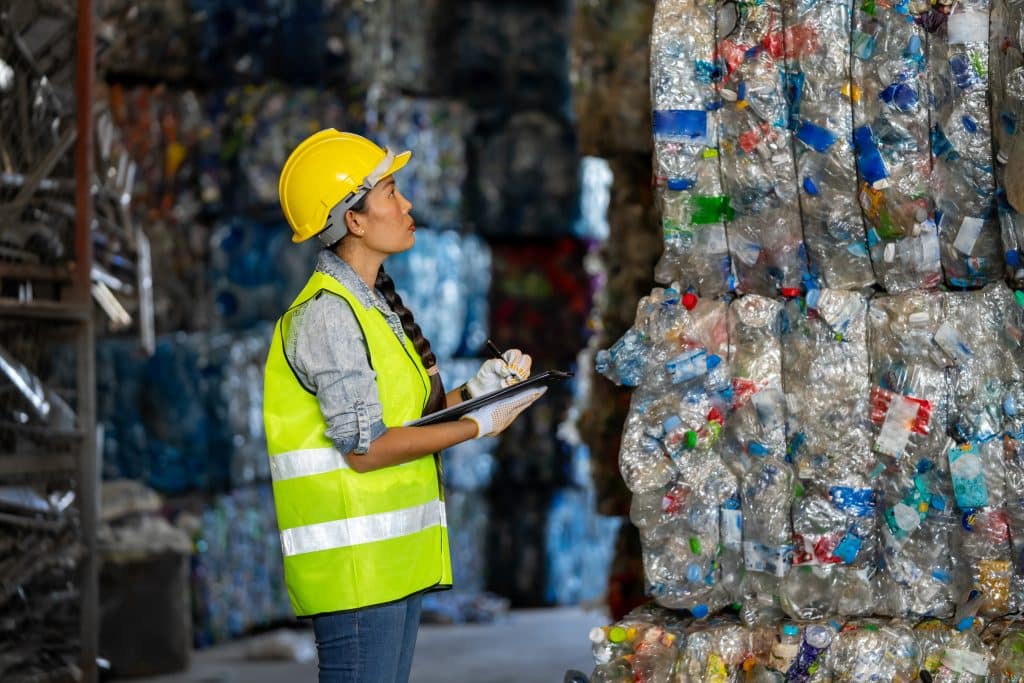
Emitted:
<point x="1013" y="441"/>
<point x="468" y="513"/>
<point x="818" y="84"/>
<point x="965" y="659"/>
<point x="910" y="407"/>
<point x="153" y="40"/>
<point x="435" y="131"/>
<point x="476" y="273"/>
<point x="684" y="75"/>
<point x="765" y="232"/>
<point x="527" y="179"/>
<point x="610" y="53"/>
<point x="874" y="650"/>
<point x="721" y="649"/>
<point x="891" y="144"/>
<point x="1008" y="665"/>
<point x="429" y="278"/>
<point x="421" y="32"/>
<point x="963" y="185"/>
<point x="595" y="194"/>
<point x="1006" y="86"/>
<point x="834" y="515"/>
<point x="977" y="348"/>
<point x="754" y="448"/>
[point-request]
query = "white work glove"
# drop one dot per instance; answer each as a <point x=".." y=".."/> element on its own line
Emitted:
<point x="512" y="368"/>
<point x="494" y="418"/>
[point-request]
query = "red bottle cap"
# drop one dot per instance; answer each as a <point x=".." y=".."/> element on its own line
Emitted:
<point x="689" y="301"/>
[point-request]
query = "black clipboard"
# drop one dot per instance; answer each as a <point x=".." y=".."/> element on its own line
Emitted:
<point x="455" y="412"/>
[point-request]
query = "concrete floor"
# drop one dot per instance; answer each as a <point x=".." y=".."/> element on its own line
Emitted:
<point x="528" y="646"/>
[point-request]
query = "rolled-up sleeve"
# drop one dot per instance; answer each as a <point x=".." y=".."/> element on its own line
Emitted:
<point x="328" y="352"/>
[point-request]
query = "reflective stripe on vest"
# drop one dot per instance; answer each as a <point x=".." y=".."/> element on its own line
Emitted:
<point x="305" y="462"/>
<point x="343" y="533"/>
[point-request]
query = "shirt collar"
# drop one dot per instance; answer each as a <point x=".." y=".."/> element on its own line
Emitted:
<point x="331" y="264"/>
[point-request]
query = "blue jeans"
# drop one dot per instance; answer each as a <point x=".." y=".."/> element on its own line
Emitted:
<point x="369" y="645"/>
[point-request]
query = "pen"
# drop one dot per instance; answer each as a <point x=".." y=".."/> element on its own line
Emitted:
<point x="495" y="351"/>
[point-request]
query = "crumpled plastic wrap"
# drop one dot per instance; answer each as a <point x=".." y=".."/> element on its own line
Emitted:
<point x="684" y="74"/>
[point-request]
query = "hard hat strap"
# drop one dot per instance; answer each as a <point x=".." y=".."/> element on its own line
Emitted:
<point x="335" y="227"/>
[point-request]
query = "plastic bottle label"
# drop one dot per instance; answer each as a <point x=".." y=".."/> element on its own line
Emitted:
<point x="758" y="557"/>
<point x="967" y="235"/>
<point x="783" y="655"/>
<point x="848" y="548"/>
<point x="684" y="124"/>
<point x="732" y="528"/>
<point x="949" y="340"/>
<point x="855" y="502"/>
<point x="899" y="420"/>
<point x="968" y="474"/>
<point x="970" y="26"/>
<point x="965" y="661"/>
<point x="716" y="243"/>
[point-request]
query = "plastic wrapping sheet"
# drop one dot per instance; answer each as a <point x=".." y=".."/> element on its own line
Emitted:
<point x="685" y="71"/>
<point x="891" y="144"/>
<point x="445" y="281"/>
<point x="818" y="81"/>
<point x="526" y="182"/>
<point x="978" y="347"/>
<point x="609" y="76"/>
<point x="1006" y="87"/>
<point x="758" y="173"/>
<point x="237" y="571"/>
<point x="435" y="131"/>
<point x="963" y="185"/>
<point x="824" y="343"/>
<point x="254" y="272"/>
<point x="910" y="408"/>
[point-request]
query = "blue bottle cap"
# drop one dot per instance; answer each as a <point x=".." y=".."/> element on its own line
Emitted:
<point x="790" y="630"/>
<point x="713" y="361"/>
<point x="758" y="449"/>
<point x="1012" y="257"/>
<point x="700" y="611"/>
<point x="809" y="186"/>
<point x="965" y="623"/>
<point x="679" y="184"/>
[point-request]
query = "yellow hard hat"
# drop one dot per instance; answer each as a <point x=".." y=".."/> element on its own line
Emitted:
<point x="329" y="170"/>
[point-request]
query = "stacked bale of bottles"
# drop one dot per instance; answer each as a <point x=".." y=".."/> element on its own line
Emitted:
<point x="834" y="437"/>
<point x="655" y="644"/>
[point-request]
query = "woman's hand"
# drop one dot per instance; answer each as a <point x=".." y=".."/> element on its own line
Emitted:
<point x="513" y="367"/>
<point x="493" y="419"/>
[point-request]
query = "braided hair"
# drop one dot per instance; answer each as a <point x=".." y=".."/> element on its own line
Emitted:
<point x="386" y="286"/>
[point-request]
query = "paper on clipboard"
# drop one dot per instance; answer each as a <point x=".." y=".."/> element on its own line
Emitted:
<point x="457" y="411"/>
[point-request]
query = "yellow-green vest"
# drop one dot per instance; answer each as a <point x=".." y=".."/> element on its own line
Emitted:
<point x="352" y="540"/>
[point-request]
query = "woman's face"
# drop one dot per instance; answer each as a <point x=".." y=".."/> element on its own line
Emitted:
<point x="388" y="229"/>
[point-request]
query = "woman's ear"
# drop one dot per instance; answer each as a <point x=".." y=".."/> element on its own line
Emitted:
<point x="353" y="223"/>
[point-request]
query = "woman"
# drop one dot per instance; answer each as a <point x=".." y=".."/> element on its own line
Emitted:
<point x="359" y="497"/>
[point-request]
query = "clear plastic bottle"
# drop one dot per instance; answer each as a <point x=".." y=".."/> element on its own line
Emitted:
<point x="1008" y="666"/>
<point x="785" y="649"/>
<point x="965" y="659"/>
<point x="816" y="640"/>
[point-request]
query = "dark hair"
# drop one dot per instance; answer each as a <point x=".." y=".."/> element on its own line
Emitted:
<point x="386" y="286"/>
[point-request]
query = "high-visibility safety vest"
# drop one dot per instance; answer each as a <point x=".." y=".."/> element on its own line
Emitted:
<point x="352" y="539"/>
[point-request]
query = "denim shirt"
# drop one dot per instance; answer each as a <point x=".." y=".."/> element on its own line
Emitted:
<point x="326" y="348"/>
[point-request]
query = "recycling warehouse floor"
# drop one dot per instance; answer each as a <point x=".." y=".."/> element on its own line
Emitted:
<point x="528" y="646"/>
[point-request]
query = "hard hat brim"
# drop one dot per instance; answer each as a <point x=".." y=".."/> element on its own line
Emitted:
<point x="400" y="161"/>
